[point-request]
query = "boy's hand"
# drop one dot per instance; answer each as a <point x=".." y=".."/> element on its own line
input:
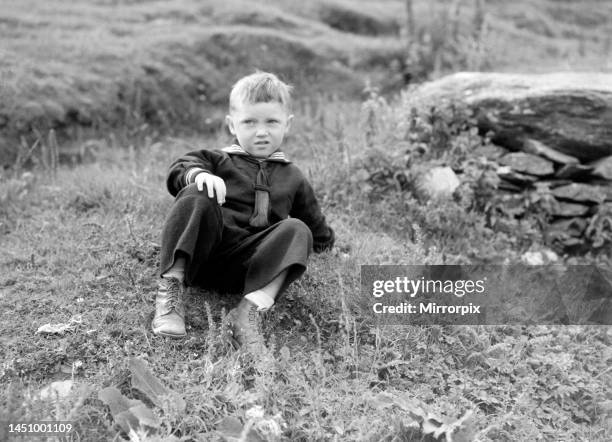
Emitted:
<point x="214" y="185"/>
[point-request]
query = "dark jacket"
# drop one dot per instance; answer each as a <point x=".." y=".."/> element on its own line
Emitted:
<point x="291" y="195"/>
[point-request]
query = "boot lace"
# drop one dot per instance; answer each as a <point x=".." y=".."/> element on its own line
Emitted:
<point x="174" y="299"/>
<point x="253" y="333"/>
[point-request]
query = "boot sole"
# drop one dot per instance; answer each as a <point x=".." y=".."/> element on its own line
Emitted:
<point x="168" y="335"/>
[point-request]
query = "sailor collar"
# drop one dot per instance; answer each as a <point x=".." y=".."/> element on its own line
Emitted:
<point x="277" y="156"/>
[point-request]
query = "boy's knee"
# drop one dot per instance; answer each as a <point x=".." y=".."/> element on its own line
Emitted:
<point x="295" y="225"/>
<point x="199" y="198"/>
<point x="192" y="191"/>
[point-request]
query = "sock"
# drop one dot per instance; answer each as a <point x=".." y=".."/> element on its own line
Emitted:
<point x="261" y="299"/>
<point x="177" y="271"/>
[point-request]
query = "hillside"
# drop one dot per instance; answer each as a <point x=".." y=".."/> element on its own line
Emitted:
<point x="128" y="85"/>
<point x="91" y="67"/>
<point x="80" y="253"/>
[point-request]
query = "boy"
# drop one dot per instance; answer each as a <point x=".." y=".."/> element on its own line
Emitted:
<point x="244" y="219"/>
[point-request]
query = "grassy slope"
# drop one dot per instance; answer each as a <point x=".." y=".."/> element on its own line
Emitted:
<point x="553" y="35"/>
<point x="100" y="65"/>
<point x="89" y="66"/>
<point x="85" y="244"/>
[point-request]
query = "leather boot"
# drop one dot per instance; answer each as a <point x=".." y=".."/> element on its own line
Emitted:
<point x="243" y="322"/>
<point x="169" y="317"/>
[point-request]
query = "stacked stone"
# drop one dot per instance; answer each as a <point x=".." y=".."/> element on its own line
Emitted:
<point x="577" y="191"/>
<point x="568" y="168"/>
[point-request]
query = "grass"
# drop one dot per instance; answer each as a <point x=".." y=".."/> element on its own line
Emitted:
<point x="84" y="244"/>
<point x="90" y="67"/>
<point x="119" y="79"/>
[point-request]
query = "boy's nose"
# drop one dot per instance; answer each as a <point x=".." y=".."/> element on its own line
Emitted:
<point x="261" y="131"/>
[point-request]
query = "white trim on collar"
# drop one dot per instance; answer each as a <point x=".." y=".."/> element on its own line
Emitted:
<point x="235" y="149"/>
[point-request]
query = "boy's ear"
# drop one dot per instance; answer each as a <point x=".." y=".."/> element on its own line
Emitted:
<point x="289" y="121"/>
<point x="230" y="124"/>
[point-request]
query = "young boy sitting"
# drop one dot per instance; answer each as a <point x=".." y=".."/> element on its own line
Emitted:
<point x="245" y="218"/>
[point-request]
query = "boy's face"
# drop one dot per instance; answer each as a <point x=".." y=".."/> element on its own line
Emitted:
<point x="259" y="127"/>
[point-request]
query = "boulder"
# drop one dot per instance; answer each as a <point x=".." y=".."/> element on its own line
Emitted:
<point x="563" y="209"/>
<point x="489" y="151"/>
<point x="527" y="163"/>
<point x="539" y="257"/>
<point x="438" y="182"/>
<point x="603" y="168"/>
<point x="570" y="112"/>
<point x="578" y="192"/>
<point x="535" y="147"/>
<point x="550" y="149"/>
<point x="574" y="171"/>
<point x="506" y="173"/>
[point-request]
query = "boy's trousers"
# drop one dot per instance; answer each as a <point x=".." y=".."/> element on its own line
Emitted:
<point x="229" y="258"/>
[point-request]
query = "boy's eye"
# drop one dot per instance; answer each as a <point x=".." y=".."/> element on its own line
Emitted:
<point x="249" y="122"/>
<point x="272" y="121"/>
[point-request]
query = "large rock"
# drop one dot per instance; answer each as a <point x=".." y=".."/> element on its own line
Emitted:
<point x="537" y="148"/>
<point x="527" y="163"/>
<point x="581" y="193"/>
<point x="574" y="171"/>
<point x="437" y="183"/>
<point x="603" y="168"/>
<point x="569" y="112"/>
<point x="521" y="179"/>
<point x="569" y="209"/>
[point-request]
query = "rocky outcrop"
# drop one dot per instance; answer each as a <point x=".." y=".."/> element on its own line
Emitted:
<point x="552" y="146"/>
<point x="575" y="201"/>
<point x="570" y="113"/>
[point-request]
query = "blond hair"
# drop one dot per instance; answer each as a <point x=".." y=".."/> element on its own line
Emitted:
<point x="260" y="87"/>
